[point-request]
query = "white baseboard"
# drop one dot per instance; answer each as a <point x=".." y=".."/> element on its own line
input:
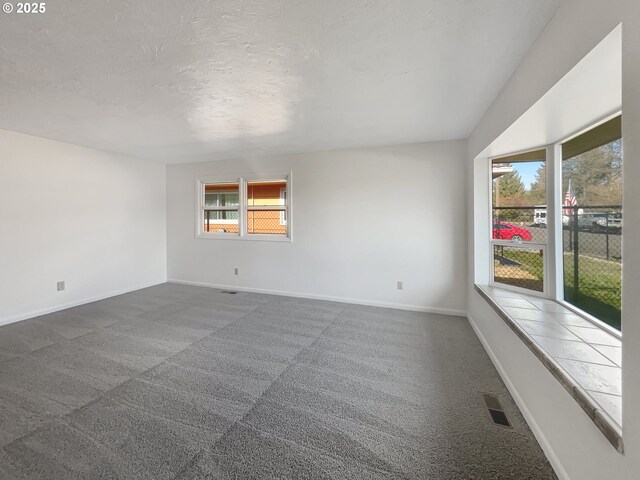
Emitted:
<point x="533" y="425"/>
<point x="75" y="303"/>
<point x="331" y="298"/>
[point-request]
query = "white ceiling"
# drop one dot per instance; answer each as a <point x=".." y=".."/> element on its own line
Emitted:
<point x="193" y="80"/>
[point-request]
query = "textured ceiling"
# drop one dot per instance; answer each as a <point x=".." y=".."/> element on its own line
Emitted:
<point x="190" y="80"/>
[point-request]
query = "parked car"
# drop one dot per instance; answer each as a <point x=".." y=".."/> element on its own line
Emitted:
<point x="593" y="222"/>
<point x="509" y="231"/>
<point x="615" y="221"/>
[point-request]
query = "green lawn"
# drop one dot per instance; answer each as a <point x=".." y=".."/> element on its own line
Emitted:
<point x="527" y="272"/>
<point x="599" y="287"/>
<point x="599" y="282"/>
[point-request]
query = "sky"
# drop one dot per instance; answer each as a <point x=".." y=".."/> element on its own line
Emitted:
<point x="527" y="171"/>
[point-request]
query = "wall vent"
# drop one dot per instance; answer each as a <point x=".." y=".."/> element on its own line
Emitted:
<point x="496" y="412"/>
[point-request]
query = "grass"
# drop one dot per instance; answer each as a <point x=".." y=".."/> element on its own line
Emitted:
<point x="599" y="282"/>
<point x="599" y="287"/>
<point x="527" y="271"/>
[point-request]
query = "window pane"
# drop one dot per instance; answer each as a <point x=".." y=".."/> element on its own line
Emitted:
<point x="519" y="197"/>
<point x="266" y="193"/>
<point x="222" y="215"/>
<point x="221" y="221"/>
<point x="221" y="195"/>
<point x="266" y="222"/>
<point x="519" y="267"/>
<point x="592" y="219"/>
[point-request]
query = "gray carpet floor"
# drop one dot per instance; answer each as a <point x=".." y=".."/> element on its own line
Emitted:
<point x="182" y="382"/>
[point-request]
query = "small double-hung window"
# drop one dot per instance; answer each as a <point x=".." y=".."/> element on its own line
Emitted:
<point x="221" y="208"/>
<point x="519" y="220"/>
<point x="267" y="207"/>
<point x="244" y="208"/>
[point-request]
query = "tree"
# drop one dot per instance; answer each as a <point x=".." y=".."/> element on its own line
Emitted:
<point x="538" y="191"/>
<point x="596" y="175"/>
<point x="508" y="189"/>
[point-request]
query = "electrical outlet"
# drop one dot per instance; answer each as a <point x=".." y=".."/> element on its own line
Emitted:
<point x="399" y="284"/>
<point x="60" y="286"/>
<point x="235" y="271"/>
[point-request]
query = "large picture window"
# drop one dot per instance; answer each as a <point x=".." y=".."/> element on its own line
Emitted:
<point x="584" y="269"/>
<point x="244" y="208"/>
<point x="592" y="221"/>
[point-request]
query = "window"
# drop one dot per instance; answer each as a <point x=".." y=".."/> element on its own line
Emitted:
<point x="592" y="221"/>
<point x="283" y="201"/>
<point x="265" y="207"/>
<point x="518" y="234"/>
<point x="244" y="208"/>
<point x="220" y="209"/>
<point x="585" y="191"/>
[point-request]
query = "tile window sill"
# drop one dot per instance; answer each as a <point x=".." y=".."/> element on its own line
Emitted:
<point x="585" y="359"/>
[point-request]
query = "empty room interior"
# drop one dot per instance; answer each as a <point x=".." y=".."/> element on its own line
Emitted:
<point x="357" y="239"/>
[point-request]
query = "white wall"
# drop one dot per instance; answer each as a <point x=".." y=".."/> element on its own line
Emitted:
<point x="575" y="446"/>
<point x="362" y="219"/>
<point x="95" y="220"/>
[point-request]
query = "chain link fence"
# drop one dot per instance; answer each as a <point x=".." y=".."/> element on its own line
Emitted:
<point x="267" y="222"/>
<point x="519" y="267"/>
<point x="221" y="221"/>
<point x="592" y="249"/>
<point x="259" y="222"/>
<point x="592" y="254"/>
<point x="517" y="264"/>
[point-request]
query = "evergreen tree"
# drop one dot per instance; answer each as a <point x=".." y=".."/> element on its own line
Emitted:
<point x="596" y="175"/>
<point x="538" y="191"/>
<point x="510" y="189"/>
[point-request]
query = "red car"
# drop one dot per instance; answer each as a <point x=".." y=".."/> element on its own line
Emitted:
<point x="509" y="231"/>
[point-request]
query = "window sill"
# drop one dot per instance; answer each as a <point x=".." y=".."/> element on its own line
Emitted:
<point x="584" y="358"/>
<point x="247" y="238"/>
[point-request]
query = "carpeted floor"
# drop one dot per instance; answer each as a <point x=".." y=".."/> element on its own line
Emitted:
<point x="181" y="382"/>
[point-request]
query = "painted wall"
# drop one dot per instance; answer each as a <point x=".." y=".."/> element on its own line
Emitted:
<point x="362" y="220"/>
<point x="95" y="220"/>
<point x="572" y="442"/>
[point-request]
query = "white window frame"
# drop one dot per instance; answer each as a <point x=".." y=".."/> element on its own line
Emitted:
<point x="283" y="201"/>
<point x="558" y="194"/>
<point x="518" y="244"/>
<point x="220" y="208"/>
<point x="243" y="207"/>
<point x="553" y="249"/>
